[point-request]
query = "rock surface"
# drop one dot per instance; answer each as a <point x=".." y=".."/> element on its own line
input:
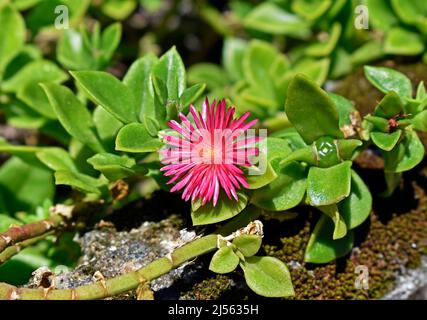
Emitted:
<point x="411" y="284"/>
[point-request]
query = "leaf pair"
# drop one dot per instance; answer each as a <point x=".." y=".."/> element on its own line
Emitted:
<point x="266" y="276"/>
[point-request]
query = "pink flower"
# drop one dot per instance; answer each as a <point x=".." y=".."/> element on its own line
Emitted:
<point x="206" y="155"/>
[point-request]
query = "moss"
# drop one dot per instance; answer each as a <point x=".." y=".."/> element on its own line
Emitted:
<point x="209" y="289"/>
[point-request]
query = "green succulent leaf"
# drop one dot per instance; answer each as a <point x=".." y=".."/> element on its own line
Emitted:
<point x="311" y="110"/>
<point x="326" y="186"/>
<point x="322" y="248"/>
<point x="403" y="42"/>
<point x="420" y="121"/>
<point x="340" y="228"/>
<point x="248" y="244"/>
<point x="115" y="167"/>
<point x="325" y="48"/>
<point x="224" y="210"/>
<point x="386" y="141"/>
<point x="80" y="181"/>
<point x="23" y="186"/>
<point x="211" y="74"/>
<point x="315" y="69"/>
<point x="405" y="155"/>
<point x="269" y="18"/>
<point x="107" y="91"/>
<point x="190" y="95"/>
<point x="107" y="126"/>
<point x="12" y="34"/>
<point x="169" y="72"/>
<point x="262" y="179"/>
<point x="232" y="57"/>
<point x="135" y="138"/>
<point x="138" y="80"/>
<point x="268" y="277"/>
<point x="355" y="209"/>
<point x="389" y="106"/>
<point x="344" y="107"/>
<point x="56" y="159"/>
<point x="224" y="261"/>
<point x="387" y="80"/>
<point x="381" y="14"/>
<point x="311" y="10"/>
<point x="286" y="191"/>
<point x="73" y="115"/>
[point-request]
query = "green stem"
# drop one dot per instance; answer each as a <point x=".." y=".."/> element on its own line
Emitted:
<point x="119" y="284"/>
<point x="18" y="234"/>
<point x="9" y="252"/>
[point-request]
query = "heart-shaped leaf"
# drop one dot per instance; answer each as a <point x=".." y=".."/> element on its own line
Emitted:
<point x="224" y="261"/>
<point x="248" y="244"/>
<point x="386" y="141"/>
<point x="268" y="277"/>
<point x="326" y="186"/>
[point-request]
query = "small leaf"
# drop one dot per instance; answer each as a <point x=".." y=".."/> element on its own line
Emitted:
<point x="403" y="42"/>
<point x="224" y="261"/>
<point x="170" y="71"/>
<point x="286" y="191"/>
<point x="310" y="9"/>
<point x="405" y="155"/>
<point x="344" y="107"/>
<point x="387" y="80"/>
<point x="390" y="106"/>
<point x="325" y="48"/>
<point x="386" y="141"/>
<point x="311" y="110"/>
<point x="260" y="180"/>
<point x="107" y="91"/>
<point x="248" y="244"/>
<point x="327" y="186"/>
<point x="208" y="73"/>
<point x="269" y="18"/>
<point x="23" y="187"/>
<point x="321" y="248"/>
<point x="34" y="73"/>
<point x="340" y="228"/>
<point x="355" y="209"/>
<point x="110" y="40"/>
<point x="420" y="121"/>
<point x="232" y="57"/>
<point x="114" y="167"/>
<point x="268" y="277"/>
<point x="224" y="210"/>
<point x="79" y="181"/>
<point x="56" y="159"/>
<point x="138" y="79"/>
<point x="73" y="115"/>
<point x="135" y="138"/>
<point x="12" y="34"/>
<point x="315" y="69"/>
<point x="190" y="95"/>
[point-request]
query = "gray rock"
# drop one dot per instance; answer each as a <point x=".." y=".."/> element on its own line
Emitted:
<point x="411" y="284"/>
